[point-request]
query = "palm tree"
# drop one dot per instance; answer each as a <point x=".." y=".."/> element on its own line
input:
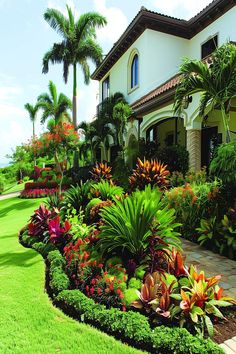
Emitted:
<point x="78" y="45"/>
<point x="54" y="106"/>
<point x="32" y="110"/>
<point x="215" y="82"/>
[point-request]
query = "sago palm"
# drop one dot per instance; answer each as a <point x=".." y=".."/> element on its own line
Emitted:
<point x="216" y="83"/>
<point x="32" y="110"/>
<point x="78" y="45"/>
<point x="54" y="106"/>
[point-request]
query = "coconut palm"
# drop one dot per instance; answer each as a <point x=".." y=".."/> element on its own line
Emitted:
<point x="78" y="45"/>
<point x="216" y="83"/>
<point x="32" y="110"/>
<point x="54" y="106"/>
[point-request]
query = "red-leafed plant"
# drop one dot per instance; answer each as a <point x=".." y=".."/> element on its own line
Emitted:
<point x="38" y="226"/>
<point x="58" y="234"/>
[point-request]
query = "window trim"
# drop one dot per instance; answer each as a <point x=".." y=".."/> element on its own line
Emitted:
<point x="133" y="53"/>
<point x="207" y="40"/>
<point x="107" y="77"/>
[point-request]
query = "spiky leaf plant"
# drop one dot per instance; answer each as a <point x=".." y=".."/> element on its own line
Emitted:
<point x="128" y="224"/>
<point x="150" y="172"/>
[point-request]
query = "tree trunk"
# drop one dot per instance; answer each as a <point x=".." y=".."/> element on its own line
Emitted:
<point x="33" y="138"/>
<point x="74" y="97"/>
<point x="225" y="118"/>
<point x="76" y="155"/>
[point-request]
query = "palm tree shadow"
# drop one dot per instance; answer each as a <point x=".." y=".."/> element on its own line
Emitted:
<point x="18" y="259"/>
<point x="17" y="205"/>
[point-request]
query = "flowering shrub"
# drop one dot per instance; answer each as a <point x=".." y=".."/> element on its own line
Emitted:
<point x="192" y="203"/>
<point x="62" y="137"/>
<point x="38" y="193"/>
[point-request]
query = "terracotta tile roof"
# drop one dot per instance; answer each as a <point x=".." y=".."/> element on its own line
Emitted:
<point x="171" y="83"/>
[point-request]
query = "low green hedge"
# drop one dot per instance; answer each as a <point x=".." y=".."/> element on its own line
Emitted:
<point x="131" y="327"/>
<point x="134" y="328"/>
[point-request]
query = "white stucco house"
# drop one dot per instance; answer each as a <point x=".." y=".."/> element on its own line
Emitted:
<point x="143" y="64"/>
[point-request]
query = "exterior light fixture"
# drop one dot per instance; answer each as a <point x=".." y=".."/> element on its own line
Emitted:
<point x="186" y="101"/>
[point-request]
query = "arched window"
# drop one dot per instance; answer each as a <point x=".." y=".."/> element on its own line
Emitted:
<point x="134" y="72"/>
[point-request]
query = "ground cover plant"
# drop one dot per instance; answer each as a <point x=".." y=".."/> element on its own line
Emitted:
<point x="122" y="251"/>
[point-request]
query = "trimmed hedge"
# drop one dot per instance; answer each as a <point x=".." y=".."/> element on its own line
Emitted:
<point x="131" y="327"/>
<point x="134" y="328"/>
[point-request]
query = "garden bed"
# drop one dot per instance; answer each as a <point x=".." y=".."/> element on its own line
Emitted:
<point x="130" y="327"/>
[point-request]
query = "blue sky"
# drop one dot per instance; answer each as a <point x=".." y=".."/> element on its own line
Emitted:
<point x="25" y="37"/>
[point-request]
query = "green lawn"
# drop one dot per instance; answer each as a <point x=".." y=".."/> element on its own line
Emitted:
<point x="11" y="188"/>
<point x="28" y="321"/>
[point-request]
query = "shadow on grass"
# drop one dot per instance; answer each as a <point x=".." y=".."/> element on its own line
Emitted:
<point x="19" y="259"/>
<point x="18" y="204"/>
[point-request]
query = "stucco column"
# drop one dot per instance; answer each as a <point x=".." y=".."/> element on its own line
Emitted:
<point x="194" y="149"/>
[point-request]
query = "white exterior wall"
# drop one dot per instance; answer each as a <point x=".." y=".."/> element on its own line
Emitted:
<point x="159" y="58"/>
<point x="223" y="26"/>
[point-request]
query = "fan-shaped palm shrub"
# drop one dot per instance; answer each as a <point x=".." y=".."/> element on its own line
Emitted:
<point x="130" y="222"/>
<point x="105" y="190"/>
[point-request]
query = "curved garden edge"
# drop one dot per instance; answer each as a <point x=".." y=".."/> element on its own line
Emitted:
<point x="130" y="327"/>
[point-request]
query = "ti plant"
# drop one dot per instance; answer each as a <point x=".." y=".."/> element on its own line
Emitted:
<point x="189" y="298"/>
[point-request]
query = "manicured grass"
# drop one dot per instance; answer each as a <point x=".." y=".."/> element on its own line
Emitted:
<point x="28" y="321"/>
<point x="11" y="188"/>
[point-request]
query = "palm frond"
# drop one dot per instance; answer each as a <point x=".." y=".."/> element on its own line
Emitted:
<point x="57" y="21"/>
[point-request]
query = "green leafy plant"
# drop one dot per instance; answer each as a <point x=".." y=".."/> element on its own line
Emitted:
<point x="105" y="190"/>
<point x="128" y="225"/>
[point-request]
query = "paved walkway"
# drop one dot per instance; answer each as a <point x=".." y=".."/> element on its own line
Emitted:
<point x="212" y="264"/>
<point x="9" y="195"/>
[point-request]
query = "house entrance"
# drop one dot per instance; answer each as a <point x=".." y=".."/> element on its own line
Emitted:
<point x="209" y="140"/>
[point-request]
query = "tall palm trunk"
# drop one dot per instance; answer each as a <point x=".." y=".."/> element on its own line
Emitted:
<point x="225" y="118"/>
<point x="74" y="96"/>
<point x="33" y="138"/>
<point x="76" y="154"/>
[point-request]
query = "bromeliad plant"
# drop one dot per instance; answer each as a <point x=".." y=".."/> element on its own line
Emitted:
<point x="150" y="172"/>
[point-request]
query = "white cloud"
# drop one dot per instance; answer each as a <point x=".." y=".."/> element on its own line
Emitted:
<point x="57" y="4"/>
<point x="116" y="22"/>
<point x="180" y="8"/>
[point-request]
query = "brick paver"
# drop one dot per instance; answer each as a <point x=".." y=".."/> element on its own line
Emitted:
<point x="212" y="264"/>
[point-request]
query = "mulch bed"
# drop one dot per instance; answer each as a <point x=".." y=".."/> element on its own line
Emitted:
<point x="226" y="329"/>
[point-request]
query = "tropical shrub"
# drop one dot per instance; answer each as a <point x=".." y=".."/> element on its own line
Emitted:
<point x="192" y="300"/>
<point x="192" y="203"/>
<point x="76" y="198"/>
<point x="132" y="222"/>
<point x="38" y="226"/>
<point x="219" y="235"/>
<point x="149" y="172"/>
<point x="176" y="157"/>
<point x="223" y="164"/>
<point x="101" y="172"/>
<point x="105" y="190"/>
<point x="38" y="193"/>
